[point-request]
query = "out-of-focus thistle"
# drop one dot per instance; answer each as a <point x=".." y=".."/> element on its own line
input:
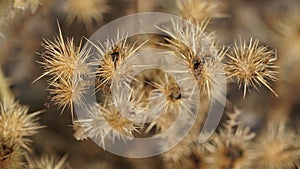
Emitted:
<point x="277" y="147"/>
<point x="9" y="10"/>
<point x="32" y="5"/>
<point x="199" y="10"/>
<point x="230" y="148"/>
<point x="47" y="162"/>
<point x="11" y="157"/>
<point x="16" y="126"/>
<point x="85" y="11"/>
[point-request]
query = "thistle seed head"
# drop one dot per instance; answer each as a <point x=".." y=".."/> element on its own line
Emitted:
<point x="16" y="125"/>
<point x="86" y="11"/>
<point x="251" y="65"/>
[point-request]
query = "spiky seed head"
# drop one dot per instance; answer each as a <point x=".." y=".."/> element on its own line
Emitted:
<point x="186" y="154"/>
<point x="63" y="59"/>
<point x="227" y="154"/>
<point x="16" y="125"/>
<point x="251" y="64"/>
<point x="110" y="56"/>
<point x="105" y="122"/>
<point x="166" y="100"/>
<point x="68" y="92"/>
<point x="208" y="71"/>
<point x="188" y="39"/>
<point x="47" y="162"/>
<point x="198" y="50"/>
<point x="86" y="11"/>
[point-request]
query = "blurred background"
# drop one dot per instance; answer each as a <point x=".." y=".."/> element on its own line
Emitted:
<point x="24" y="24"/>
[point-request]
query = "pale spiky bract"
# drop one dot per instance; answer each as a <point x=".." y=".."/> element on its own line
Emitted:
<point x="47" y="162"/>
<point x="79" y="132"/>
<point x="251" y="64"/>
<point x="86" y="11"/>
<point x="167" y="101"/>
<point x="105" y="122"/>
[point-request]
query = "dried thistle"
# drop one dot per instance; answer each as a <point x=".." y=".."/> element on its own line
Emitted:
<point x="10" y="157"/>
<point x="47" y="162"/>
<point x="186" y="154"/>
<point x="289" y="37"/>
<point x="178" y="156"/>
<point x="68" y="92"/>
<point x="277" y="148"/>
<point x="251" y="65"/>
<point x="199" y="10"/>
<point x="167" y="101"/>
<point x="105" y="122"/>
<point x="63" y="59"/>
<point x="86" y="11"/>
<point x="16" y="125"/>
<point x="110" y="56"/>
<point x="199" y="51"/>
<point x="66" y="65"/>
<point x="231" y="147"/>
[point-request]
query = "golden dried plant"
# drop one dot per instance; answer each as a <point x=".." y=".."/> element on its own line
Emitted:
<point x="11" y="157"/>
<point x="277" y="147"/>
<point x="16" y="124"/>
<point x="251" y="65"/>
<point x="199" y="51"/>
<point x="63" y="59"/>
<point x="47" y="162"/>
<point x="86" y="11"/>
<point x="199" y="10"/>
<point x="105" y="122"/>
<point x="230" y="148"/>
<point x="66" y="66"/>
<point x="68" y="92"/>
<point x="110" y="56"/>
